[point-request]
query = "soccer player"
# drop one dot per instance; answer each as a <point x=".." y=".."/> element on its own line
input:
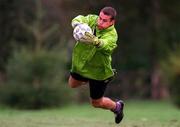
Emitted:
<point x="91" y="59"/>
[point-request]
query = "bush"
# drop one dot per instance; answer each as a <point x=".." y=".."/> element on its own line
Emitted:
<point x="172" y="69"/>
<point x="35" y="80"/>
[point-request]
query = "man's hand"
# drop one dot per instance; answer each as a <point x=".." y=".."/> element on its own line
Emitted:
<point x="91" y="39"/>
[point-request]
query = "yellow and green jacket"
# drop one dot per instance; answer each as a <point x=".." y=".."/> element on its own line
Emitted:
<point x="90" y="61"/>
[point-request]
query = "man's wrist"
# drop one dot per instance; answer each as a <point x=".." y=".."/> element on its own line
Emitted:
<point x="98" y="43"/>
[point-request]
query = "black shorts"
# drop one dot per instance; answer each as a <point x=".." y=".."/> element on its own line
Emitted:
<point x="97" y="87"/>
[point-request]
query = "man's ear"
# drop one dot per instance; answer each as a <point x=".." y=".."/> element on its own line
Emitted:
<point x="113" y="21"/>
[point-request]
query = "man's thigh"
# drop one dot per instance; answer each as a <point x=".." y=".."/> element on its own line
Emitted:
<point x="76" y="80"/>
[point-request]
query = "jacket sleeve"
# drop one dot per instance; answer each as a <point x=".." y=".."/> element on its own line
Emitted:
<point x="89" y="19"/>
<point x="109" y="42"/>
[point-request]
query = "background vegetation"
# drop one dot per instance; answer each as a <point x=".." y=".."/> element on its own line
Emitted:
<point x="36" y="43"/>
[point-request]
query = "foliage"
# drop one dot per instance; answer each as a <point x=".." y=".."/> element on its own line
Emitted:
<point x="9" y="27"/>
<point x="146" y="29"/>
<point x="171" y="67"/>
<point x="22" y="24"/>
<point x="35" y="80"/>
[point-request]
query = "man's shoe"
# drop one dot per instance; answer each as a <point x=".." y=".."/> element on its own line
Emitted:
<point x="119" y="111"/>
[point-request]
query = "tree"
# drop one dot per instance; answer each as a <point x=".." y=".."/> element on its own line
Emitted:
<point x="8" y="24"/>
<point x="35" y="72"/>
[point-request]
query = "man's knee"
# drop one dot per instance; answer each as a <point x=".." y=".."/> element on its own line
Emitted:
<point x="97" y="103"/>
<point x="73" y="83"/>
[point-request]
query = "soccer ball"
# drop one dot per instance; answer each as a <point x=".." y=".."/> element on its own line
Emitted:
<point x="80" y="30"/>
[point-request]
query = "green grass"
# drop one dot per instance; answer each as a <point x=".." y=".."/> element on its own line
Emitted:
<point x="137" y="114"/>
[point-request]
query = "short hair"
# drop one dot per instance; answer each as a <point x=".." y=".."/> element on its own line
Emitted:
<point x="109" y="11"/>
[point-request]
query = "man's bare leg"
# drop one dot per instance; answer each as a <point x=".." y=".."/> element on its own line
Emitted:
<point x="107" y="103"/>
<point x="104" y="102"/>
<point x="73" y="83"/>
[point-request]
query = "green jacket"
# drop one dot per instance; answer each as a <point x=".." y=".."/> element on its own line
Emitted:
<point x="90" y="61"/>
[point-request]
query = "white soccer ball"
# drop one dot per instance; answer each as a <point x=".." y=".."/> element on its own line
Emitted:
<point x="80" y="30"/>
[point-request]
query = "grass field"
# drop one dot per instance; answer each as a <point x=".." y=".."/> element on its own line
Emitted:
<point x="137" y="114"/>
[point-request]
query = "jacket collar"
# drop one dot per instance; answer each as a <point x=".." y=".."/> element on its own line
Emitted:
<point x="107" y="29"/>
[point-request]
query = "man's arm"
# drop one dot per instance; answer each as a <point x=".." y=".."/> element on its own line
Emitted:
<point x="80" y="19"/>
<point x="106" y="43"/>
<point x="110" y="43"/>
<point x="92" y="39"/>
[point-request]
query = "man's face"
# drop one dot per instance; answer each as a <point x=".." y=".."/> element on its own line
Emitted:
<point x="104" y="21"/>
